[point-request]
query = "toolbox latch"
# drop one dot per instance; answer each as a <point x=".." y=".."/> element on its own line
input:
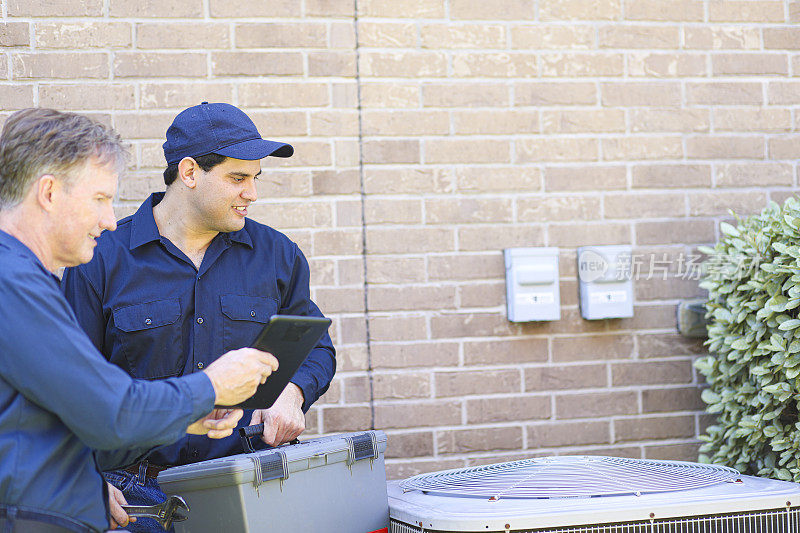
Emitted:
<point x="270" y="466"/>
<point x="361" y="446"/>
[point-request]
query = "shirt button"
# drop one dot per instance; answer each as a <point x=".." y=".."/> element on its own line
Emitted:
<point x="199" y="320"/>
<point x="148" y="321"/>
<point x="252" y="314"/>
<point x="200" y="365"/>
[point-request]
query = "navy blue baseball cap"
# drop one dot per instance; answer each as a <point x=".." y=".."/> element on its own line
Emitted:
<point x="218" y="129"/>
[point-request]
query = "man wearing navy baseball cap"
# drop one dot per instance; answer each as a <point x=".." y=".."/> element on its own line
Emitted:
<point x="188" y="277"/>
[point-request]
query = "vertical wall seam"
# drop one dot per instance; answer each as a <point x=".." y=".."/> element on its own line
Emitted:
<point x="363" y="196"/>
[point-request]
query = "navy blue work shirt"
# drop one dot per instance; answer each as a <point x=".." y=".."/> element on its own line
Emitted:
<point x="59" y="400"/>
<point x="149" y="310"/>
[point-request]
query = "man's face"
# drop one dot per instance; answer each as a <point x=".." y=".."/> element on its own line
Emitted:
<point x="83" y="209"/>
<point x="223" y="194"/>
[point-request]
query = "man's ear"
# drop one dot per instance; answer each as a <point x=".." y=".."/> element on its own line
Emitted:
<point x="188" y="172"/>
<point x="45" y="189"/>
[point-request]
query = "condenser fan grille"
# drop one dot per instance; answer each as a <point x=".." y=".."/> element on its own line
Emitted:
<point x="570" y="477"/>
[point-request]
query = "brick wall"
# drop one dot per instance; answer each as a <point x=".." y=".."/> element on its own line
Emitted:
<point x="430" y="135"/>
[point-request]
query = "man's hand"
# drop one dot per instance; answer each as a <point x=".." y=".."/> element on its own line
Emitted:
<point x="237" y="374"/>
<point x="118" y="517"/>
<point x="284" y="420"/>
<point x="218" y="424"/>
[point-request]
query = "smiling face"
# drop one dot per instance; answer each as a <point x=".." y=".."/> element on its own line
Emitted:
<point x="222" y="194"/>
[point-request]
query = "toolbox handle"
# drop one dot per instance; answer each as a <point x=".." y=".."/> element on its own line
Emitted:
<point x="246" y="432"/>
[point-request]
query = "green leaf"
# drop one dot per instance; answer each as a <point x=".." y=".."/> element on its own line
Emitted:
<point x="789" y="325"/>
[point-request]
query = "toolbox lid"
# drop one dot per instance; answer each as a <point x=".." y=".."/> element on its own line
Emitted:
<point x="274" y="463"/>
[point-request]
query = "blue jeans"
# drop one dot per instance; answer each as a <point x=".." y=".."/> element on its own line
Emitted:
<point x="139" y="490"/>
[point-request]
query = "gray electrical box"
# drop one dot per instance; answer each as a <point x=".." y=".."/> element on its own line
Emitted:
<point x="605" y="281"/>
<point x="532" y="284"/>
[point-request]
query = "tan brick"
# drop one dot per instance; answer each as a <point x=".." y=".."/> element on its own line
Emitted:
<point x="466" y="210"/>
<point x="675" y="231"/>
<point x="783" y="92"/>
<point x="539" y="36"/>
<point x="156" y="64"/>
<point x="588" y="234"/>
<point x="395" y="328"/>
<point x="794" y="11"/>
<point x="342" y="35"/>
<point x="660" y="176"/>
<point x="718" y="203"/>
<point x="181" y="95"/>
<point x="394" y="151"/>
<point x="409" y="444"/>
<point x="668" y="344"/>
<point x="59" y="65"/>
<point x="154" y="8"/>
<point x="330" y="123"/>
<point x="349" y="418"/>
<point x="722" y="38"/>
<point x="333" y="63"/>
<point x="495" y="122"/>
<point x="581" y="64"/>
<point x="411" y="298"/>
<point x="651" y="373"/>
<point x="591" y="348"/>
<point x="406" y="180"/>
<point x="396" y="270"/>
<point x="307" y="153"/>
<point x="464" y="36"/>
<point x="650" y="316"/>
<point x="334" y="300"/>
<point x="567" y="149"/>
<point x="482" y="294"/>
<point x="402" y="386"/>
<point x="639" y="205"/>
<point x="663" y="427"/>
<point x="745" y="11"/>
<point x="410" y="240"/>
<point x="750" y="64"/>
<point x="280" y="35"/>
<point x="419" y="414"/>
<point x="405" y="469"/>
<point x="554" y="93"/>
<point x="638" y="148"/>
<point x="465" y="267"/>
<point x="617" y="36"/>
<point x="660" y="65"/>
<point x="14" y="34"/>
<point x="494" y="65"/>
<point x="590" y="405"/>
<point x="392" y="211"/>
<point x="413" y="355"/>
<point x="279" y="123"/>
<point x="356" y="389"/>
<point x="782" y="38"/>
<point x="13" y="97"/>
<point x="496" y="237"/>
<point x="284" y="95"/>
<point x="140" y="124"/>
<point x="387" y="34"/>
<point x="571" y="377"/>
<point x="465" y="383"/>
<point x="641" y="94"/>
<point x="580" y="10"/>
<point x="402" y="8"/>
<point x="464" y="95"/>
<point x="511" y="351"/>
<point x="328" y="8"/>
<point x="256" y="63"/>
<point x="664" y="10"/>
<point x="411" y="64"/>
<point x="756" y="174"/>
<point x="583" y="121"/>
<point x="498" y="10"/>
<point x="497" y="179"/>
<point x="654" y="286"/>
<point x="724" y="93"/>
<point x="478" y="440"/>
<point x="585" y="178"/>
<point x="334" y="182"/>
<point x="507" y="409"/>
<point x="56" y="8"/>
<point x="390" y="94"/>
<point x="337" y="242"/>
<point x="673" y="452"/>
<point x="548" y="435"/>
<point x="556" y="208"/>
<point x="467" y="151"/>
<point x="254" y="8"/>
<point x="462" y="325"/>
<point x="719" y="147"/>
<point x="182" y="35"/>
<point x="669" y="120"/>
<point x="672" y="399"/>
<point x="784" y="147"/>
<point x="82" y="35"/>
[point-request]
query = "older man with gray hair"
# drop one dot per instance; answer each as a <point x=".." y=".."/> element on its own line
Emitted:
<point x="65" y="412"/>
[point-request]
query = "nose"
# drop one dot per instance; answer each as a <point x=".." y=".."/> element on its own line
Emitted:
<point x="108" y="220"/>
<point x="249" y="192"/>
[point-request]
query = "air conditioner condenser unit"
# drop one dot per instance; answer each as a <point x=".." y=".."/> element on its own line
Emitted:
<point x="588" y="494"/>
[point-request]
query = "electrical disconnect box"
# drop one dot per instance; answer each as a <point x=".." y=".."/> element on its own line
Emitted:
<point x="605" y="281"/>
<point x="532" y="284"/>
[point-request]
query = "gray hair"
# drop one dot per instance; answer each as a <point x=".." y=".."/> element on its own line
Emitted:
<point x="37" y="141"/>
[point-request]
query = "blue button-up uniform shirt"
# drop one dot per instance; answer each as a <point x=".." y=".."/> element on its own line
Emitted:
<point x="151" y="311"/>
<point x="59" y="399"/>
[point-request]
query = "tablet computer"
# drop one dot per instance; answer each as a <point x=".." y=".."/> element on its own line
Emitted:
<point x="290" y="339"/>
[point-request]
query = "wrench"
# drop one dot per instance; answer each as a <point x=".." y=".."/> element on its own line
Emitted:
<point x="173" y="509"/>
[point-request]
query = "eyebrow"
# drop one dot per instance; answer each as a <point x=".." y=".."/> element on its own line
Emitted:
<point x="244" y="174"/>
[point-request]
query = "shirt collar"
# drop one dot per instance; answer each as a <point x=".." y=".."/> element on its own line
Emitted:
<point x="18" y="247"/>
<point x="145" y="230"/>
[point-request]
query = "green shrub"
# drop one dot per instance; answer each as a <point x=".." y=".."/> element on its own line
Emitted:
<point x="753" y="370"/>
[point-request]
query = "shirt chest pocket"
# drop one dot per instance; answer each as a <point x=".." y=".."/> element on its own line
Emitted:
<point x="148" y="335"/>
<point x="243" y="317"/>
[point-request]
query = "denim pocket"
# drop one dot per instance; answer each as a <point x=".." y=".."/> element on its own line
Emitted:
<point x="120" y="479"/>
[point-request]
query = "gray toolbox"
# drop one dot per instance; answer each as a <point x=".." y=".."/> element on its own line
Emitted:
<point x="335" y="483"/>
